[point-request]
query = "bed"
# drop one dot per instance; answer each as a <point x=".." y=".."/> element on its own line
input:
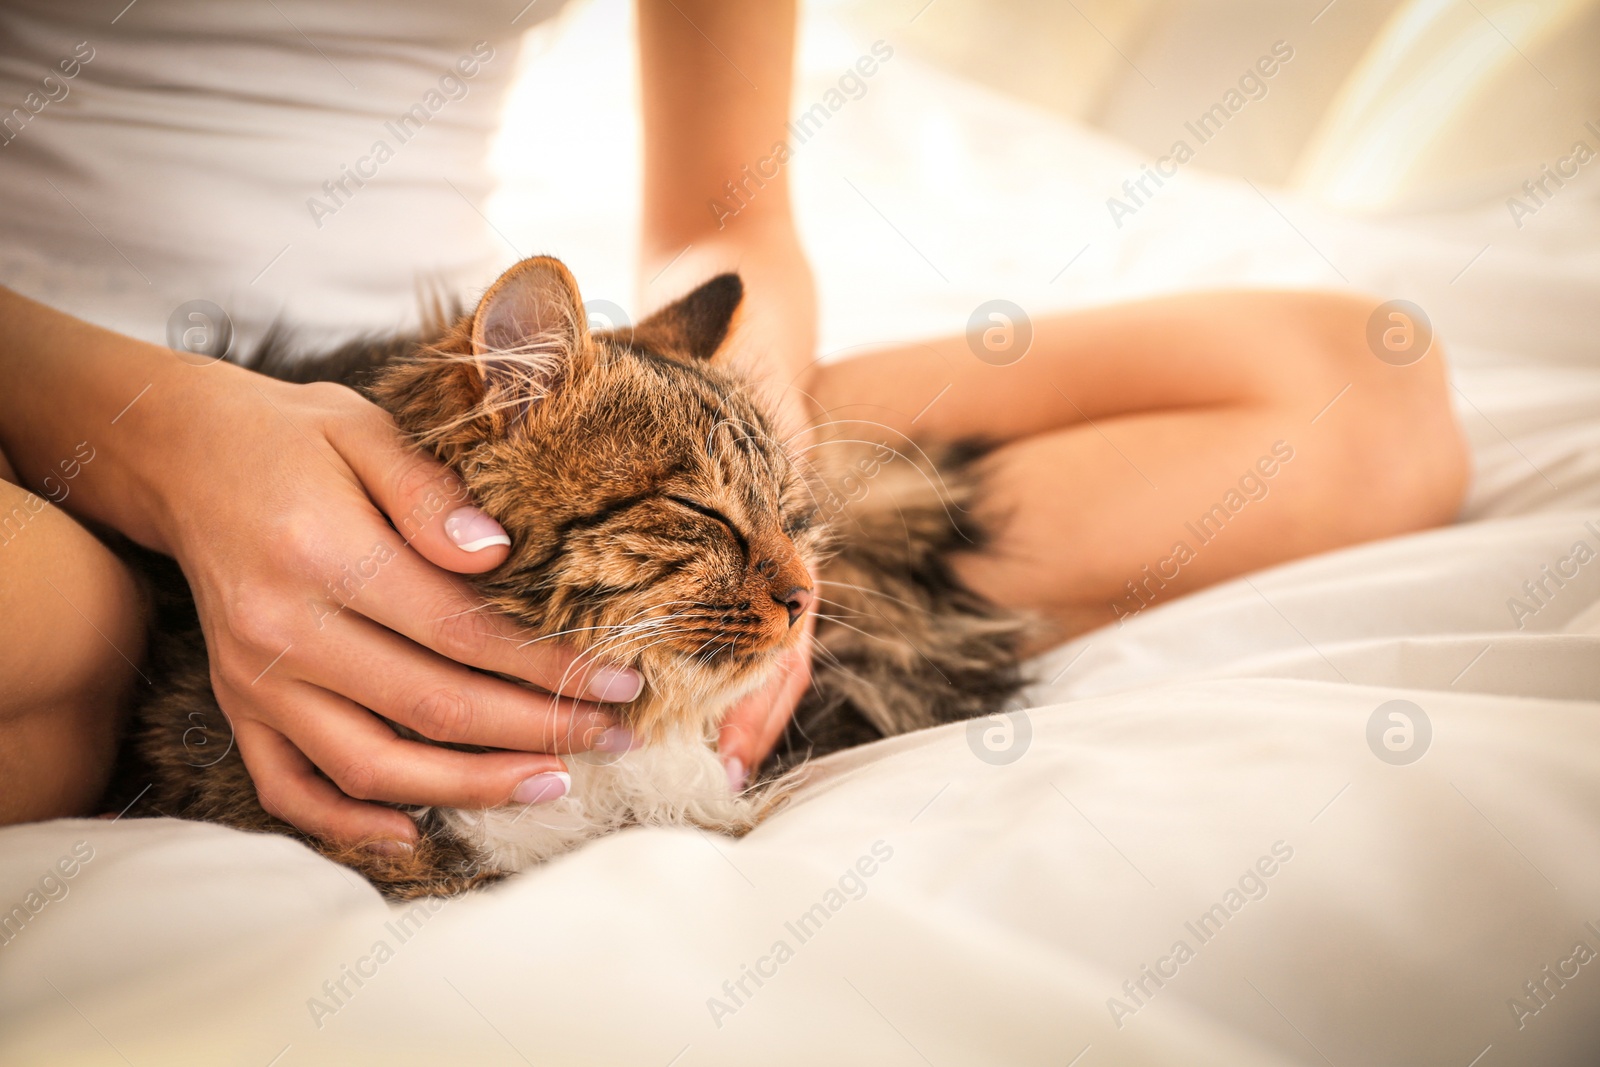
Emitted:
<point x="1343" y="811"/>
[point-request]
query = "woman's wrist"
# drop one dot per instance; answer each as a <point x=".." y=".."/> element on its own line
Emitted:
<point x="175" y="433"/>
<point x="777" y="321"/>
<point x="90" y="417"/>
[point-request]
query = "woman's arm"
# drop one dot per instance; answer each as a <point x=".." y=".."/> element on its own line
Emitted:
<point x="273" y="497"/>
<point x="716" y="76"/>
<point x="1147" y="450"/>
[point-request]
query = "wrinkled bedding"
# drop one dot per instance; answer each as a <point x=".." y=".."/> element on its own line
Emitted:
<point x="1196" y="847"/>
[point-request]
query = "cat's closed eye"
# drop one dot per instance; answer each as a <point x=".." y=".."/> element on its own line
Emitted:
<point x="716" y="516"/>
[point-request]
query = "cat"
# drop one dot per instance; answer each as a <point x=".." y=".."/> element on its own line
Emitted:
<point x="660" y="520"/>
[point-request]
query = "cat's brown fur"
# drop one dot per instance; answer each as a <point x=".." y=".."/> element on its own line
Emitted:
<point x="643" y="486"/>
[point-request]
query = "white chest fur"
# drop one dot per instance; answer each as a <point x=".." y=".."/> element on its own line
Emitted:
<point x="678" y="781"/>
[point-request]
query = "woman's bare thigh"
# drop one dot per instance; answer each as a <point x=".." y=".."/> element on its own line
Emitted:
<point x="72" y="630"/>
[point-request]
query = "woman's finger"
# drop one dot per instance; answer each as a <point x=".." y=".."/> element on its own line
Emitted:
<point x="423" y="499"/>
<point x="290" y="789"/>
<point x="444" y="701"/>
<point x="411" y="597"/>
<point x="753" y="727"/>
<point x="367" y="761"/>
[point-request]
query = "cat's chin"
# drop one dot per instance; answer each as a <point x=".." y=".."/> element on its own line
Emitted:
<point x="689" y="701"/>
<point x="675" y="781"/>
<point x="674" y="778"/>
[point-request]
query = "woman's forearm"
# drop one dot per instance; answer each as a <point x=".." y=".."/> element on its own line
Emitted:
<point x="78" y="411"/>
<point x="1006" y="380"/>
<point x="715" y="79"/>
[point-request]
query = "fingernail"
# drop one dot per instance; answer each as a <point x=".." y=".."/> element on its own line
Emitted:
<point x="737" y="775"/>
<point x="473" y="531"/>
<point x="543" y="788"/>
<point x="614" y="739"/>
<point x="614" y="685"/>
<point x="387" y="847"/>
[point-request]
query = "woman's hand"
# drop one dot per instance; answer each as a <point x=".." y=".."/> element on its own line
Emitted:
<point x="316" y="609"/>
<point x="754" y="725"/>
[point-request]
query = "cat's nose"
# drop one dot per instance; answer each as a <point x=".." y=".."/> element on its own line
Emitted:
<point x="795" y="602"/>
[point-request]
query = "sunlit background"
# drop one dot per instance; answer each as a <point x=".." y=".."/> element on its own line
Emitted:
<point x="980" y="158"/>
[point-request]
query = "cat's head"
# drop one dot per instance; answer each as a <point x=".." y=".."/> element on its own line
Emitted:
<point x="657" y="518"/>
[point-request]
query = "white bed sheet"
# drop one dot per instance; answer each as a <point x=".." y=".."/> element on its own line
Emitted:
<point x="1165" y="758"/>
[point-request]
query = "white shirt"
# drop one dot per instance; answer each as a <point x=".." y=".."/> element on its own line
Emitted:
<point x="314" y="161"/>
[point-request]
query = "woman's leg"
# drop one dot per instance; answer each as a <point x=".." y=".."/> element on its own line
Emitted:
<point x="1149" y="450"/>
<point x="71" y="629"/>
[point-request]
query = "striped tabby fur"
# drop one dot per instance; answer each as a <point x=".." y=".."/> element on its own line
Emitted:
<point x="657" y="517"/>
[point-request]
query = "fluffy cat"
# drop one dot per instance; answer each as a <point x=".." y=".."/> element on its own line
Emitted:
<point x="658" y="520"/>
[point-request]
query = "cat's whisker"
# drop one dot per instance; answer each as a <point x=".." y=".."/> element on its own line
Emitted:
<point x="831" y="661"/>
<point x="859" y="630"/>
<point x="840" y="605"/>
<point x="882" y="426"/>
<point x="606" y="646"/>
<point x="942" y="488"/>
<point x="608" y="626"/>
<point x="862" y="422"/>
<point x="474" y="609"/>
<point x="624" y="624"/>
<point x="625" y="653"/>
<point x="941" y="491"/>
<point x="869" y="592"/>
<point x="838" y="618"/>
<point x="827" y="423"/>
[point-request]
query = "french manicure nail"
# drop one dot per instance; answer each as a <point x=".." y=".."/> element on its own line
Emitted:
<point x="473" y="530"/>
<point x="543" y="788"/>
<point x="614" y="739"/>
<point x="614" y="685"/>
<point x="737" y="775"/>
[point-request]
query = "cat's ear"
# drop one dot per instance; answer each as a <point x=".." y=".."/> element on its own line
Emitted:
<point x="527" y="340"/>
<point x="694" y="326"/>
<point x="530" y="334"/>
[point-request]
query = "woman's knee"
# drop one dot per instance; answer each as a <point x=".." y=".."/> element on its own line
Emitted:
<point x="72" y="631"/>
